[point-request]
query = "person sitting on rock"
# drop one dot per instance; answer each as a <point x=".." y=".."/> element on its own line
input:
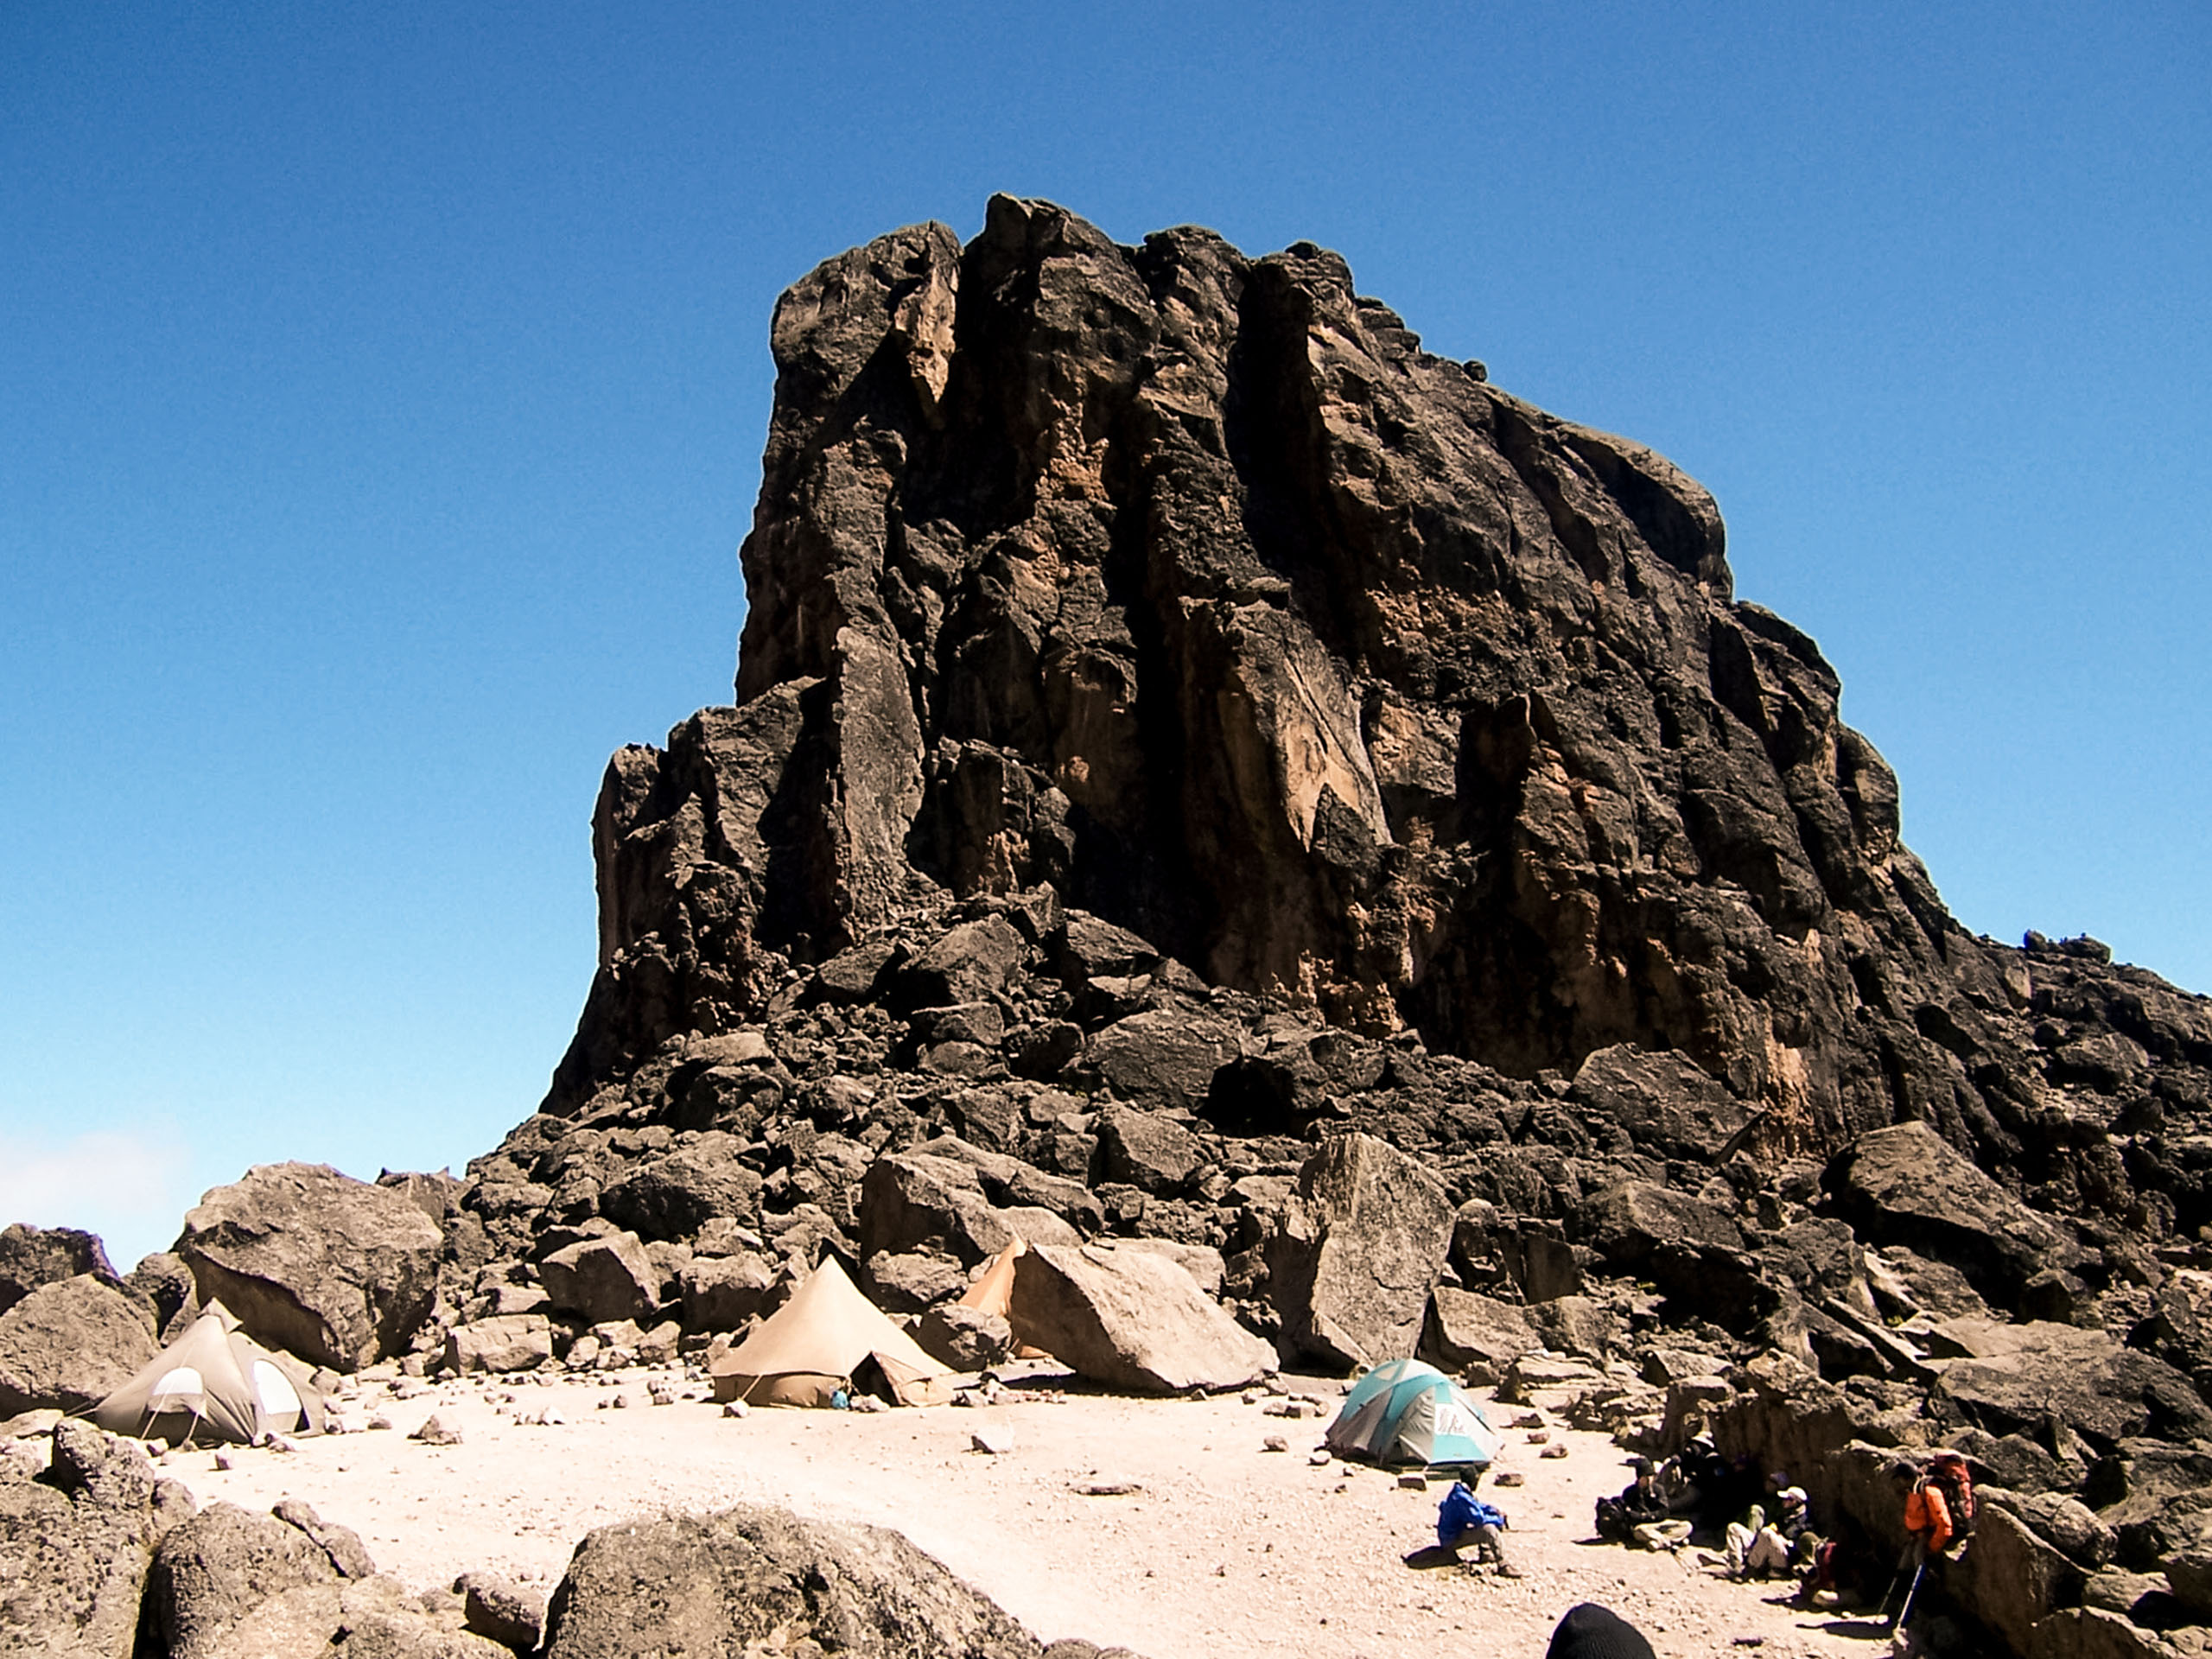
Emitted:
<point x="1758" y="1550"/>
<point x="1640" y="1503"/>
<point x="1465" y="1522"/>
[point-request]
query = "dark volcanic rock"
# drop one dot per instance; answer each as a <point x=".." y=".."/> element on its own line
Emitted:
<point x="332" y="1269"/>
<point x="756" y="1580"/>
<point x="31" y="1256"/>
<point x="1180" y="724"/>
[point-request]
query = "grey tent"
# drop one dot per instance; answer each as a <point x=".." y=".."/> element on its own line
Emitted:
<point x="215" y="1383"/>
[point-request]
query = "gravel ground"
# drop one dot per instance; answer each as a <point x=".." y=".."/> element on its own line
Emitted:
<point x="1223" y="1548"/>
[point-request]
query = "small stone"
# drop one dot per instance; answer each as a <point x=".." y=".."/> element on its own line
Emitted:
<point x="736" y="1409"/>
<point x="1507" y="1477"/>
<point x="382" y="1421"/>
<point x="1414" y="1483"/>
<point x="1274" y="1443"/>
<point x="222" y="1461"/>
<point x="435" y="1430"/>
<point x="619" y="1402"/>
<point x="1319" y="1457"/>
<point x="1559" y="1451"/>
<point x="1539" y="1437"/>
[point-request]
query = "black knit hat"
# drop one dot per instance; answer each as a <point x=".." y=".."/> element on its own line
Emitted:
<point x="1590" y="1632"/>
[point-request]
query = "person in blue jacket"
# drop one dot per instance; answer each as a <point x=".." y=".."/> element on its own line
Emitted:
<point x="1463" y="1520"/>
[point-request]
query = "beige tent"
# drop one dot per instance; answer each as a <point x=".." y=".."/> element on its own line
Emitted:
<point x="826" y="1334"/>
<point x="992" y="1294"/>
<point x="214" y="1382"/>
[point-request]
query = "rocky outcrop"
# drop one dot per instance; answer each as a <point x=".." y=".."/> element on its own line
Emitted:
<point x="756" y="1580"/>
<point x="69" y="1345"/>
<point x="76" y="1542"/>
<point x="32" y="1256"/>
<point x="332" y="1269"/>
<point x="1206" y="771"/>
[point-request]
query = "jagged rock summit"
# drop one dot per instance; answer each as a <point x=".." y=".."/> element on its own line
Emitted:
<point x="1184" y="587"/>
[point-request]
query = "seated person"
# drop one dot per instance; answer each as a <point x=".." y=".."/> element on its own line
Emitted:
<point x="1463" y="1520"/>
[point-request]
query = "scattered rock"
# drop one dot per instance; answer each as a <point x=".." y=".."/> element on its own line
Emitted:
<point x="436" y="1431"/>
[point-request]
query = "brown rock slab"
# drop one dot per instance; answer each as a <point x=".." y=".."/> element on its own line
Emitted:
<point x="1130" y="1318"/>
<point x="334" y="1270"/>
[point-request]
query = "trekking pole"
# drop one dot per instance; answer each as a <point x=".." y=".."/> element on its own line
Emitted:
<point x="1883" y="1605"/>
<point x="1898" y="1622"/>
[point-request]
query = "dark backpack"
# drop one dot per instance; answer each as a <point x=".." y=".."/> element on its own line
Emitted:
<point x="1947" y="1473"/>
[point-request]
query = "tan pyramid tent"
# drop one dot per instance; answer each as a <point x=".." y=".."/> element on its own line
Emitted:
<point x="215" y="1383"/>
<point x="992" y="1294"/>
<point x="827" y="1333"/>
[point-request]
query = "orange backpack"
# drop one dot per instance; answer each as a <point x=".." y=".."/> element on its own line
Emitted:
<point x="1947" y="1473"/>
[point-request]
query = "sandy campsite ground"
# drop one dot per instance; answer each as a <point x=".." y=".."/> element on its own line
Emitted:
<point x="1223" y="1549"/>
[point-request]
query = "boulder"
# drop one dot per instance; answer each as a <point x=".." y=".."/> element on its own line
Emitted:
<point x="75" y="1544"/>
<point x="910" y="1283"/>
<point x="1670" y="1107"/>
<point x="507" y="1342"/>
<point x="603" y="1279"/>
<point x="1163" y="1057"/>
<point x="217" y="1568"/>
<point x="31" y="1256"/>
<point x="2190" y="1573"/>
<point x="229" y="1583"/>
<point x="2093" y="1633"/>
<point x="164" y="1283"/>
<point x="1202" y="1261"/>
<point x="1630" y="1221"/>
<point x="967" y="963"/>
<point x="721" y="1293"/>
<point x="922" y="1199"/>
<point x="673" y="1196"/>
<point x="1146" y="1150"/>
<point x="70" y="1344"/>
<point x="2018" y="1378"/>
<point x="1906" y="1185"/>
<point x="341" y="1544"/>
<point x="758" y="1579"/>
<point x="2011" y="1579"/>
<point x="1360" y="1247"/>
<point x="501" y="1611"/>
<point x="966" y="1338"/>
<point x="334" y="1270"/>
<point x="1131" y="1320"/>
<point x="1475" y="1336"/>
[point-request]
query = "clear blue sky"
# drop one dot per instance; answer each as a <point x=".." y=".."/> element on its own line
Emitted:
<point x="381" y="401"/>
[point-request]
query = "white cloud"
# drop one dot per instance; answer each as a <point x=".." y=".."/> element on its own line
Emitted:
<point x="128" y="1188"/>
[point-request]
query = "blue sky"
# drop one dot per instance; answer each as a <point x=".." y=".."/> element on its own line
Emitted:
<point x="381" y="401"/>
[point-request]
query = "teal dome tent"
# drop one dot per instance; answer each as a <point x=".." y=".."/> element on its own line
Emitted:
<point x="1407" y="1411"/>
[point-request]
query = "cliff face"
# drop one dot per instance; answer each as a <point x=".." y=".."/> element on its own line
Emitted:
<point x="1187" y="586"/>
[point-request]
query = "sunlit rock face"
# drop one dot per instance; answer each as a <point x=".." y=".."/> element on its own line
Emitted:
<point x="1182" y="587"/>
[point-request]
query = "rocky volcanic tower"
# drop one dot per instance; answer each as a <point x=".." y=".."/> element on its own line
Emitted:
<point x="1187" y="587"/>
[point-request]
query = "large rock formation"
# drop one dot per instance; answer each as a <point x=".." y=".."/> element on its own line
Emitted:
<point x="1187" y="738"/>
<point x="1187" y="585"/>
